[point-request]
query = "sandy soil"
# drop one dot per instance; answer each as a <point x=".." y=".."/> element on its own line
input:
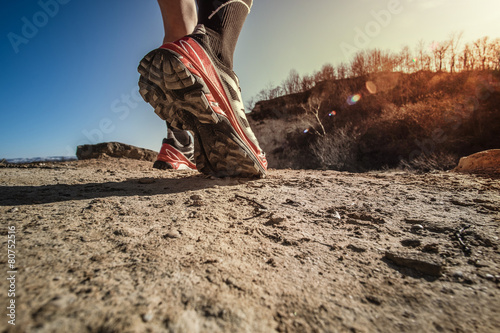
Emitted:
<point x="115" y="246"/>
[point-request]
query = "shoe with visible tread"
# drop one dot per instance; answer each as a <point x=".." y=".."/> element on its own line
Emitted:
<point x="174" y="156"/>
<point x="193" y="92"/>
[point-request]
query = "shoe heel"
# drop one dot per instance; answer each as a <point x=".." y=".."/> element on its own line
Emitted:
<point x="163" y="76"/>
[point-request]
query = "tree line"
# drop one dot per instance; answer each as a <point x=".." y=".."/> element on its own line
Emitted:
<point x="452" y="55"/>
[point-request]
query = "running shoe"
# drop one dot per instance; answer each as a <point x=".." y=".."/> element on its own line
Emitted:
<point x="190" y="88"/>
<point x="174" y="155"/>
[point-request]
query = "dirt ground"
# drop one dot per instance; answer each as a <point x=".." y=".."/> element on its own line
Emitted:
<point x="115" y="246"/>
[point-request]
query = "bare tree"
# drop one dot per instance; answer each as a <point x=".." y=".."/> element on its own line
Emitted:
<point x="291" y="84"/>
<point x="374" y="61"/>
<point x="359" y="65"/>
<point x="495" y="54"/>
<point x="389" y="61"/>
<point x="342" y="71"/>
<point x="439" y="51"/>
<point x="481" y="50"/>
<point x="250" y="105"/>
<point x="307" y="82"/>
<point x="313" y="106"/>
<point x="467" y="58"/>
<point x="328" y="72"/>
<point x="454" y="42"/>
<point x="482" y="54"/>
<point x="405" y="60"/>
<point x="421" y="54"/>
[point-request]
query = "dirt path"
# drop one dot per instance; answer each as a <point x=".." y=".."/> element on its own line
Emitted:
<point x="114" y="246"/>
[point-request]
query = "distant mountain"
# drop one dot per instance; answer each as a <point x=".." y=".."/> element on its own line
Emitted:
<point x="39" y="159"/>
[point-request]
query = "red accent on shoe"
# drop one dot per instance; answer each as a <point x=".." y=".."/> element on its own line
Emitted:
<point x="175" y="158"/>
<point x="199" y="63"/>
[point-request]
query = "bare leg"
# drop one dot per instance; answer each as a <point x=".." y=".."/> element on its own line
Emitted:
<point x="179" y="18"/>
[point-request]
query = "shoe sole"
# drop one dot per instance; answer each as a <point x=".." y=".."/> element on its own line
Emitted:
<point x="179" y="97"/>
<point x="162" y="165"/>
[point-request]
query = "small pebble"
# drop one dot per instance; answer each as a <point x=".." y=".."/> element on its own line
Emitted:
<point x="458" y="274"/>
<point x="490" y="277"/>
<point x="275" y="220"/>
<point x="13" y="210"/>
<point x="173" y="234"/>
<point x="373" y="299"/>
<point x="147" y="317"/>
<point x="195" y="197"/>
<point x="417" y="227"/>
<point x="356" y="248"/>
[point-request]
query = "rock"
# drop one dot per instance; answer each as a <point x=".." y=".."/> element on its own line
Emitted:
<point x="197" y="200"/>
<point x="489" y="277"/>
<point x="417" y="227"/>
<point x="411" y="242"/>
<point x="172" y="234"/>
<point x="487" y="161"/>
<point x="373" y="299"/>
<point x="356" y="248"/>
<point x="461" y="203"/>
<point x="272" y="262"/>
<point x="421" y="262"/>
<point x="147" y="317"/>
<point x="114" y="149"/>
<point x="366" y="217"/>
<point x="275" y="220"/>
<point x="431" y="248"/>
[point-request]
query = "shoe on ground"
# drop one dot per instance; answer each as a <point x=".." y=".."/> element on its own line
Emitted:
<point x="192" y="90"/>
<point x="175" y="156"/>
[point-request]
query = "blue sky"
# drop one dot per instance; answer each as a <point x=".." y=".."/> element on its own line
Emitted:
<point x="70" y="75"/>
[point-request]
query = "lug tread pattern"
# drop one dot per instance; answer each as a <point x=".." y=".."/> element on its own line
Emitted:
<point x="178" y="96"/>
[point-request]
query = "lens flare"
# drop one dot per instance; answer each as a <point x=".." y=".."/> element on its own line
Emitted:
<point x="306" y="131"/>
<point x="414" y="60"/>
<point x="333" y="113"/>
<point x="371" y="87"/>
<point x="353" y="99"/>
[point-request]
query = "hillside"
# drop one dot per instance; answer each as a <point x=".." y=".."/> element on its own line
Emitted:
<point x="424" y="120"/>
